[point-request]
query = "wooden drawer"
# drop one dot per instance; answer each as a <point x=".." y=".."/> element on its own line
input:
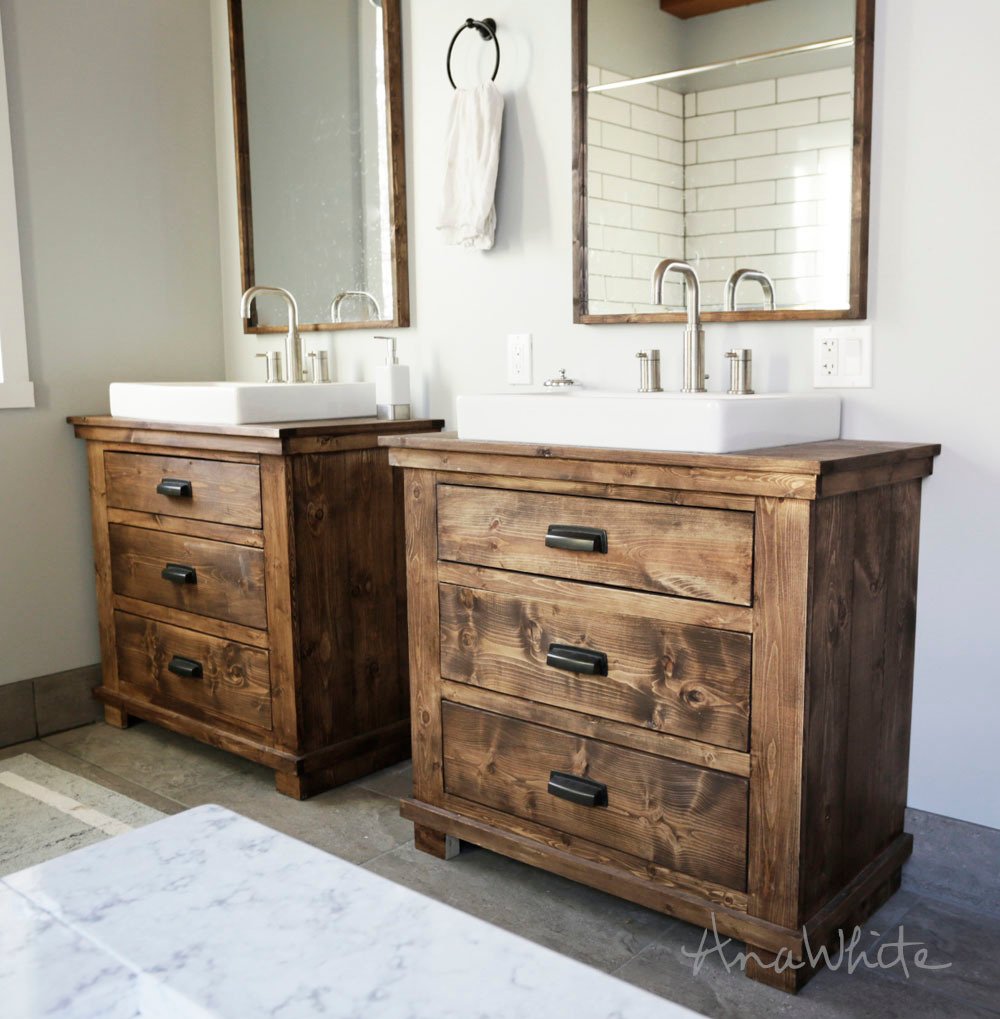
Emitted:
<point x="675" y="815"/>
<point x="691" y="553"/>
<point x="224" y="492"/>
<point x="688" y="680"/>
<point x="235" y="684"/>
<point x="228" y="579"/>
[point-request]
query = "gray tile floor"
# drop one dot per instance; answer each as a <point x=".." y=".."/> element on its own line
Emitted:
<point x="950" y="900"/>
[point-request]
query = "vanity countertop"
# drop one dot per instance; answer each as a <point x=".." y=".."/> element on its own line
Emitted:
<point x="207" y="914"/>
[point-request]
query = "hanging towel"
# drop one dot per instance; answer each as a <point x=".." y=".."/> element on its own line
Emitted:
<point x="472" y="148"/>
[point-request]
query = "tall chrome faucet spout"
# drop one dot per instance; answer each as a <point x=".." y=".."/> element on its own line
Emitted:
<point x="293" y="341"/>
<point x="694" y="335"/>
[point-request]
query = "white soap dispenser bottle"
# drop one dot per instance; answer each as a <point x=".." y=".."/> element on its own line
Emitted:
<point x="392" y="385"/>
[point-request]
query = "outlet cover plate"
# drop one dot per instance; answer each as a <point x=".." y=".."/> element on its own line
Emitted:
<point x="842" y="357"/>
<point x="519" y="359"/>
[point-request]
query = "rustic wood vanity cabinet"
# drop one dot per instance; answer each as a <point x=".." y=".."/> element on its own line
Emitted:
<point x="251" y="590"/>
<point x="683" y="679"/>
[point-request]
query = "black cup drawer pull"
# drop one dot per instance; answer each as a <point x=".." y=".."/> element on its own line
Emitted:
<point x="178" y="574"/>
<point x="186" y="667"/>
<point x="576" y="539"/>
<point x="577" y="659"/>
<point x="584" y="791"/>
<point x="176" y="488"/>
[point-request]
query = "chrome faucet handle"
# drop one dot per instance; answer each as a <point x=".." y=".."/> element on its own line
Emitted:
<point x="649" y="371"/>
<point x="560" y="381"/>
<point x="319" y="366"/>
<point x="273" y="367"/>
<point x="740" y="371"/>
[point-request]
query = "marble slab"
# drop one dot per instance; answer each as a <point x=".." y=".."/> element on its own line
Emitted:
<point x="219" y="916"/>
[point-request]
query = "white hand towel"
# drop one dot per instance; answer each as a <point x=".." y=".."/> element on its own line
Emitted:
<point x="472" y="148"/>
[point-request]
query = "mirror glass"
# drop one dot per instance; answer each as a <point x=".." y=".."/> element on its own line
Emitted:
<point x="316" y="89"/>
<point x="737" y="148"/>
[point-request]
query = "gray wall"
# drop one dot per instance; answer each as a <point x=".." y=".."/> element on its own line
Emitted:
<point x="113" y="140"/>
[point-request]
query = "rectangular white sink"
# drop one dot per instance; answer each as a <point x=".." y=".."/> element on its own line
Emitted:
<point x="241" y="403"/>
<point x="683" y="422"/>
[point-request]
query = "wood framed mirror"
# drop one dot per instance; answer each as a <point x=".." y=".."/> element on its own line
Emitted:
<point x="730" y="134"/>
<point x="318" y="122"/>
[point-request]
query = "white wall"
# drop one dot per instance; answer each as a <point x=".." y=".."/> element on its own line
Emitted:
<point x="934" y="233"/>
<point x="112" y="135"/>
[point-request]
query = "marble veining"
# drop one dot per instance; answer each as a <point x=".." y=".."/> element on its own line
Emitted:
<point x="233" y="919"/>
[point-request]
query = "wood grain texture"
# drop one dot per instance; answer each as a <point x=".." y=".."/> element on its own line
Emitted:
<point x="102" y="564"/>
<point x="436" y="843"/>
<point x="226" y="493"/>
<point x="686" y="680"/>
<point x="689" y="553"/>
<point x="221" y="628"/>
<point x="235" y="686"/>
<point x="671" y="814"/>
<point x="229" y="579"/>
<point x="190" y="528"/>
<point x="697" y="8"/>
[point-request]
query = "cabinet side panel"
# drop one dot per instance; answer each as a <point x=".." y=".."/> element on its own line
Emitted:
<point x="102" y="564"/>
<point x="781" y="588"/>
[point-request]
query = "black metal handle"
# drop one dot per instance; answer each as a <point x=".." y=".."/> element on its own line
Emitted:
<point x="584" y="791"/>
<point x="176" y="488"/>
<point x="178" y="574"/>
<point x="576" y="539"/>
<point x="577" y="659"/>
<point x="186" y="667"/>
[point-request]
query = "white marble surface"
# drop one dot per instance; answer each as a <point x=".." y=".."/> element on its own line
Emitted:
<point x="218" y="916"/>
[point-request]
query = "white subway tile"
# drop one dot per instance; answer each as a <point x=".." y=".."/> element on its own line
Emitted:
<point x="797" y="293"/>
<point x="836" y="162"/>
<point x="787" y="266"/>
<point x="711" y="269"/>
<point x="643" y="265"/>
<point x="635" y="242"/>
<point x="656" y="172"/>
<point x="735" y="196"/>
<point x="817" y="83"/>
<point x="737" y="97"/>
<point x="703" y="175"/>
<point x="806" y="111"/>
<point x="606" y="308"/>
<point x="634" y="192"/>
<point x="712" y="296"/>
<point x="595" y="237"/>
<point x="641" y="95"/>
<point x="604" y="213"/>
<point x="737" y="146"/>
<point x="802" y="238"/>
<point x="840" y="107"/>
<point x="593" y="75"/>
<point x="663" y="125"/>
<point x="672" y="242"/>
<point x="812" y="188"/>
<point x="609" y="263"/>
<point x="670" y="101"/>
<point x="737" y="244"/>
<point x="671" y="198"/>
<point x="660" y="220"/>
<point x="595" y="185"/>
<point x="690" y="153"/>
<point x="602" y="160"/>
<point x="595" y="288"/>
<point x="609" y="111"/>
<point x="768" y="217"/>
<point x="630" y="290"/>
<point x="788" y="164"/>
<point x="712" y="125"/>
<point x="670" y="151"/>
<point x="690" y="105"/>
<point x="718" y="222"/>
<point x="593" y="132"/>
<point x="624" y="139"/>
<point x="831" y="134"/>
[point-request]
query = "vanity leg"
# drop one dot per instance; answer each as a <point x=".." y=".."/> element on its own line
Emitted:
<point x="118" y="717"/>
<point x="296" y="786"/>
<point x="436" y="843"/>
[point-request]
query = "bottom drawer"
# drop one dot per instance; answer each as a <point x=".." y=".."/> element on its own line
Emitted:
<point x="675" y="815"/>
<point x="192" y="672"/>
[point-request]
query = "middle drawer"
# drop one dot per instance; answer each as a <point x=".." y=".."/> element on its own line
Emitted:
<point x="690" y="681"/>
<point x="211" y="578"/>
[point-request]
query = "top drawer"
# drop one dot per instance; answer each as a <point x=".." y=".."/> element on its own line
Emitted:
<point x="690" y="553"/>
<point x="217" y="490"/>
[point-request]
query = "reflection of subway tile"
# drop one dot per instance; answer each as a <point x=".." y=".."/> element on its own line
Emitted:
<point x="641" y="95"/>
<point x="657" y="219"/>
<point x="670" y="102"/>
<point x="793" y="293"/>
<point x="593" y="132"/>
<point x="703" y="175"/>
<point x="609" y="263"/>
<point x="817" y="83"/>
<point x="670" y="151"/>
<point x="595" y="288"/>
<point x="624" y="139"/>
<point x="710" y="269"/>
<point x="803" y="189"/>
<point x="663" y="125"/>
<point x="806" y="111"/>
<point x="656" y="172"/>
<point x="759" y="242"/>
<point x="595" y="185"/>
<point x="634" y="192"/>
<point x="836" y="161"/>
<point x="628" y="290"/>
<point x="816" y="136"/>
<point x="788" y="164"/>
<point x="607" y="213"/>
<point x="837" y="107"/>
<point x="608" y="110"/>
<point x="636" y="242"/>
<point x="602" y="160"/>
<point x="736" y="196"/>
<point x="691" y="104"/>
<point x="718" y="222"/>
<point x="671" y="198"/>
<point x="801" y="238"/>
<point x="593" y="75"/>
<point x="643" y="265"/>
<point x="737" y="97"/>
<point x="712" y="125"/>
<point x="610" y="77"/>
<point x="766" y="217"/>
<point x="787" y="266"/>
<point x="737" y="146"/>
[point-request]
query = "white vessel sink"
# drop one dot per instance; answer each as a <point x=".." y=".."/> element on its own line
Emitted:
<point x="241" y="403"/>
<point x="685" y="422"/>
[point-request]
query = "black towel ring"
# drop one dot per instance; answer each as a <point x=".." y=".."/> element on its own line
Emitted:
<point x="487" y="28"/>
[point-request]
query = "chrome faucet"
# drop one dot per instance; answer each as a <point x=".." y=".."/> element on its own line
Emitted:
<point x="694" y="335"/>
<point x="294" y="354"/>
<point x="344" y="294"/>
<point x="758" y="276"/>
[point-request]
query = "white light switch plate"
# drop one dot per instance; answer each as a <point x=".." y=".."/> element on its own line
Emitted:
<point x="519" y="359"/>
<point x="842" y="357"/>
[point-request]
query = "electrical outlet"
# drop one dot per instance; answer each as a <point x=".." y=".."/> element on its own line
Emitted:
<point x="519" y="359"/>
<point x="842" y="357"/>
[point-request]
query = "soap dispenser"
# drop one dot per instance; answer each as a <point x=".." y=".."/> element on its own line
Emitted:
<point x="392" y="385"/>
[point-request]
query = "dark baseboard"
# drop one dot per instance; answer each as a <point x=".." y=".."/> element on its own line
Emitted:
<point x="38" y="707"/>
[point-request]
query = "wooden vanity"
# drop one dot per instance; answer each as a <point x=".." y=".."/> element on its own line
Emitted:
<point x="683" y="679"/>
<point x="251" y="593"/>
